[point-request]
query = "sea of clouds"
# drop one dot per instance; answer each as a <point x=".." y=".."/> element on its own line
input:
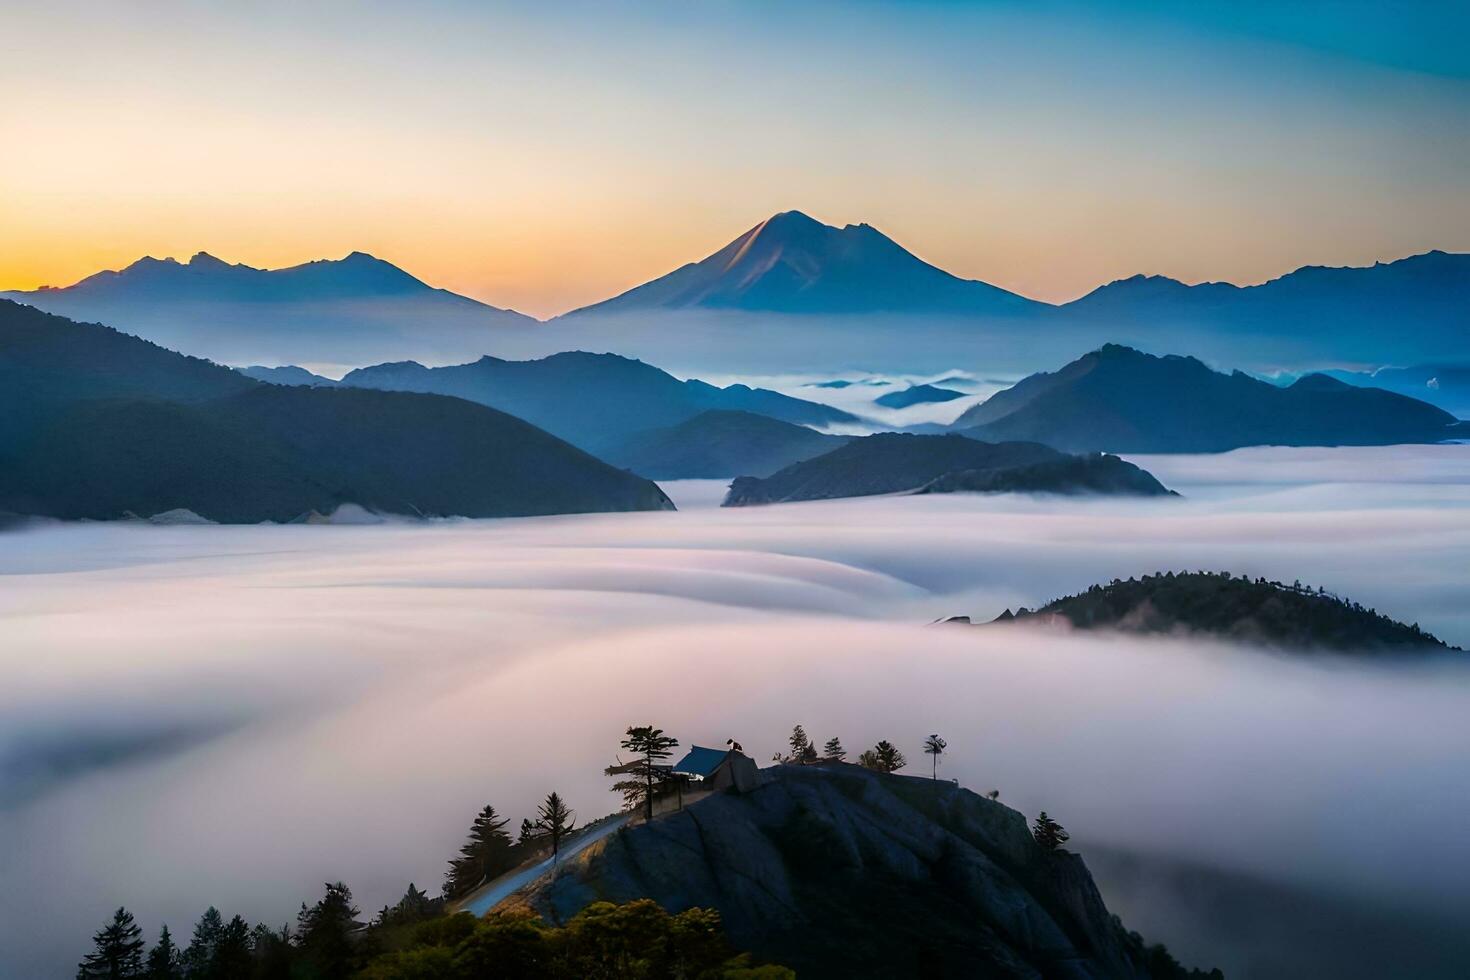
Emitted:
<point x="234" y="715"/>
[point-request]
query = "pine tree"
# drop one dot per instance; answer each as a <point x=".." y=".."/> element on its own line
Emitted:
<point x="934" y="747"/>
<point x="833" y="750"/>
<point x="232" y="959"/>
<point x="118" y="952"/>
<point x="555" y="821"/>
<point x="199" y="956"/>
<point x="273" y="952"/>
<point x="802" y="751"/>
<point x="325" y="933"/>
<point x="164" y="960"/>
<point x="1048" y="833"/>
<point x="652" y="745"/>
<point x="883" y="757"/>
<point x="484" y="855"/>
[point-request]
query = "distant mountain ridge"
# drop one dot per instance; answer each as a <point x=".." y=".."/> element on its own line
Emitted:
<point x="893" y="462"/>
<point x="98" y="424"/>
<point x="595" y="401"/>
<point x="355" y="309"/>
<point x="720" y="444"/>
<point x="1117" y="399"/>
<point x="792" y="263"/>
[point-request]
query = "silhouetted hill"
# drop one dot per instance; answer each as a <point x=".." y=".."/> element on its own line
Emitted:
<point x="892" y="462"/>
<point x="1243" y="609"/>
<point x="596" y="401"/>
<point x="1093" y="473"/>
<point x="720" y="444"/>
<point x="917" y="395"/>
<point x="97" y="424"/>
<point x="288" y="374"/>
<point x="351" y="310"/>
<point x="1117" y="399"/>
<point x="1446" y="386"/>
<point x="841" y="872"/>
<point x="1427" y="295"/>
<point x="795" y="264"/>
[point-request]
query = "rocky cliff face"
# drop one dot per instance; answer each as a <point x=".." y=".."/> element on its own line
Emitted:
<point x="842" y="872"/>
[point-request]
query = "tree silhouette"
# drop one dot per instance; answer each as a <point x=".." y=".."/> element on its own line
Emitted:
<point x="833" y="750"/>
<point x="554" y="820"/>
<point x="117" y="952"/>
<point x="232" y="960"/>
<point x="199" y="956"/>
<point x="802" y="751"/>
<point x="324" y="933"/>
<point x="883" y="757"/>
<point x="1048" y="833"/>
<point x="484" y="855"/>
<point x="164" y="961"/>
<point x="934" y="747"/>
<point x="651" y="744"/>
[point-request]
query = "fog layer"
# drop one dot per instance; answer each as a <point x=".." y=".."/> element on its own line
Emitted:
<point x="231" y="715"/>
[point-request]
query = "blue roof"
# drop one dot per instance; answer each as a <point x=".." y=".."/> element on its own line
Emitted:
<point x="701" y="761"/>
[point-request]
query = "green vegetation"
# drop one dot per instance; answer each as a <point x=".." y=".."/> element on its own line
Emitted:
<point x="833" y="750"/>
<point x="415" y="940"/>
<point x="1238" y="608"/>
<point x="883" y="757"/>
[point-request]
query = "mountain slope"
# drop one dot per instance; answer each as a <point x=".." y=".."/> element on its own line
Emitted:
<point x="892" y="462"/>
<point x="1117" y="399"/>
<point x="719" y="445"/>
<point x="95" y="424"/>
<point x="1364" y="312"/>
<point x="1242" y="609"/>
<point x="841" y="872"/>
<point x="792" y="263"/>
<point x="595" y="401"/>
<point x="352" y="310"/>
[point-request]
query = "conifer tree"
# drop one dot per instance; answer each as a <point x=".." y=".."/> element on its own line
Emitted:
<point x="555" y="821"/>
<point x="484" y="855"/>
<point x="325" y="931"/>
<point x="833" y="750"/>
<point x="199" y="956"/>
<point x="117" y="952"/>
<point x="651" y="745"/>
<point x="1048" y="833"/>
<point x="165" y="962"/>
<point x="232" y="959"/>
<point x="883" y="757"/>
<point x="802" y="750"/>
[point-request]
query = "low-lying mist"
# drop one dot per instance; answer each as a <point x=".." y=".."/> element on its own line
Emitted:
<point x="233" y="715"/>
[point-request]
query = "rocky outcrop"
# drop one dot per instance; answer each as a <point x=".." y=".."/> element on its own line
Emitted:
<point x="842" y="872"/>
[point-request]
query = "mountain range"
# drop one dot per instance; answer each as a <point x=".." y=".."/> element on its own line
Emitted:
<point x="1117" y="399"/>
<point x="790" y="292"/>
<point x="348" y="311"/>
<point x="595" y="401"/>
<point x="98" y="424"/>
<point x="720" y="445"/>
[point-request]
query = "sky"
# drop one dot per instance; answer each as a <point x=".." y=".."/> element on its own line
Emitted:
<point x="541" y="157"/>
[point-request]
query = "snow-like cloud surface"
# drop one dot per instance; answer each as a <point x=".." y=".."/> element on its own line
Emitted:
<point x="233" y="715"/>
